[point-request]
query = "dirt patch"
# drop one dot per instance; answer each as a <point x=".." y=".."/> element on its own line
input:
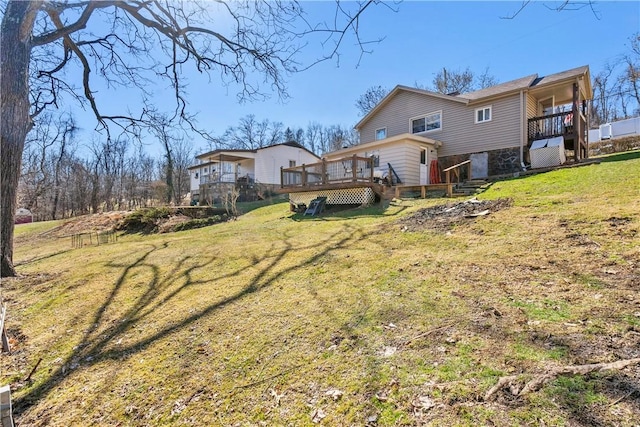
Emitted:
<point x="443" y="217"/>
<point x="95" y="223"/>
<point x="167" y="225"/>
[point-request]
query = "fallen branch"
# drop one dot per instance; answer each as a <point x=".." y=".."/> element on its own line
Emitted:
<point x="424" y="334"/>
<point x="33" y="370"/>
<point x="540" y="380"/>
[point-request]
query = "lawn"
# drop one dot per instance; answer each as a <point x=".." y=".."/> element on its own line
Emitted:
<point x="346" y="319"/>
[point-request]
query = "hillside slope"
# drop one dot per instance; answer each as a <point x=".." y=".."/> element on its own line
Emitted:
<point x="352" y="318"/>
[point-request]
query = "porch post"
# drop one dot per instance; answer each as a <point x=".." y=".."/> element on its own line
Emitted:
<point x="354" y="164"/>
<point x="304" y="176"/>
<point x="281" y="177"/>
<point x="576" y="124"/>
<point x="587" y="116"/>
<point x="324" y="170"/>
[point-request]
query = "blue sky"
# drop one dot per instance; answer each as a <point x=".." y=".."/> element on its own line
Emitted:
<point x="418" y="40"/>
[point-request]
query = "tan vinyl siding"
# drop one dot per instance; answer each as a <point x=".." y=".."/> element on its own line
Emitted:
<point x="459" y="134"/>
<point x="403" y="155"/>
<point x="532" y="106"/>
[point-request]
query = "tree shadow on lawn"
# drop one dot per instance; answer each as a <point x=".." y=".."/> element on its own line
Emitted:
<point x="349" y="212"/>
<point x="96" y="343"/>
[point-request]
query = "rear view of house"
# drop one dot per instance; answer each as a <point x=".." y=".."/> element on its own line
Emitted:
<point x="493" y="127"/>
<point x="417" y="138"/>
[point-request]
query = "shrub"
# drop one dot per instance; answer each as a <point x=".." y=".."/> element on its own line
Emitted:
<point x="143" y="220"/>
<point x="201" y="222"/>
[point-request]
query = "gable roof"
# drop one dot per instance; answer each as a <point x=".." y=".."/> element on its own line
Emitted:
<point x="563" y="75"/>
<point x="501" y="89"/>
<point x="293" y="144"/>
<point x="528" y="82"/>
<point x="236" y="154"/>
<point x="401" y="88"/>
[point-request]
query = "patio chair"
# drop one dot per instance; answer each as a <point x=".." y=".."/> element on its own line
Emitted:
<point x="316" y="206"/>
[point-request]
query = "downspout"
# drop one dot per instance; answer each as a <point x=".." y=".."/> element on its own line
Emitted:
<point x="522" y="125"/>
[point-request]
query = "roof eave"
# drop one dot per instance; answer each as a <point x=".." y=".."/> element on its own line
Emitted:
<point x="390" y="140"/>
<point x="399" y="88"/>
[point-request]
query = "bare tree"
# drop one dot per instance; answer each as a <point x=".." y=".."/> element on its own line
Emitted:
<point x="630" y="80"/>
<point x="338" y="137"/>
<point x="453" y="81"/>
<point x="603" y="105"/>
<point x="313" y="137"/>
<point x="68" y="130"/>
<point x="250" y="134"/>
<point x="182" y="155"/>
<point x="485" y="80"/>
<point x="46" y="152"/>
<point x="372" y="97"/>
<point x="141" y="42"/>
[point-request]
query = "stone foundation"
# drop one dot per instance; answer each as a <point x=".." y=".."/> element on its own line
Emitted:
<point x="500" y="162"/>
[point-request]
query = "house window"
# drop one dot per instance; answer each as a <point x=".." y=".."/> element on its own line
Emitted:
<point x="381" y="133"/>
<point x="483" y="114"/>
<point x="430" y="122"/>
<point x="292" y="163"/>
<point x="196" y="175"/>
<point x="205" y="170"/>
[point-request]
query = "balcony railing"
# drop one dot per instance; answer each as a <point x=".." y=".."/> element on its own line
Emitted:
<point x="346" y="170"/>
<point x="553" y="125"/>
<point x="226" y="178"/>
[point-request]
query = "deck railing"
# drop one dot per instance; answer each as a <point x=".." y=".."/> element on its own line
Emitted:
<point x="455" y="172"/>
<point x="345" y="170"/>
<point x="553" y="125"/>
<point x="226" y="178"/>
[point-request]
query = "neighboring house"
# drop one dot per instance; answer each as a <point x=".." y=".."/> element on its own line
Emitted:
<point x="493" y="127"/>
<point x="251" y="172"/>
<point x="23" y="216"/>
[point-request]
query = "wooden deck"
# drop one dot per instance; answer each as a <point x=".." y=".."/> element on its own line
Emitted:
<point x="358" y="172"/>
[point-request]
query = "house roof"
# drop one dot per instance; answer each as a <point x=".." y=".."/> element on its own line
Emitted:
<point x="293" y="144"/>
<point x="500" y="89"/>
<point x="563" y="75"/>
<point x="401" y="88"/>
<point x="532" y="81"/>
<point x="372" y="144"/>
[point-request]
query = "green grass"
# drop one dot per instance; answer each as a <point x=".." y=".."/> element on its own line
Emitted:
<point x="252" y="321"/>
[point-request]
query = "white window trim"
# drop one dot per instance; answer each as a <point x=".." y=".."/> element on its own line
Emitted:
<point x="475" y="114"/>
<point x="424" y="116"/>
<point x="375" y="134"/>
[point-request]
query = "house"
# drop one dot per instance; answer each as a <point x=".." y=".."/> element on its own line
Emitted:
<point x="492" y="127"/>
<point x="252" y="172"/>
<point x="420" y="136"/>
<point x="23" y="216"/>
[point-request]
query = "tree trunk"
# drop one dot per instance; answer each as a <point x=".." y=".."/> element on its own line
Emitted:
<point x="15" y="122"/>
<point x="169" y="178"/>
